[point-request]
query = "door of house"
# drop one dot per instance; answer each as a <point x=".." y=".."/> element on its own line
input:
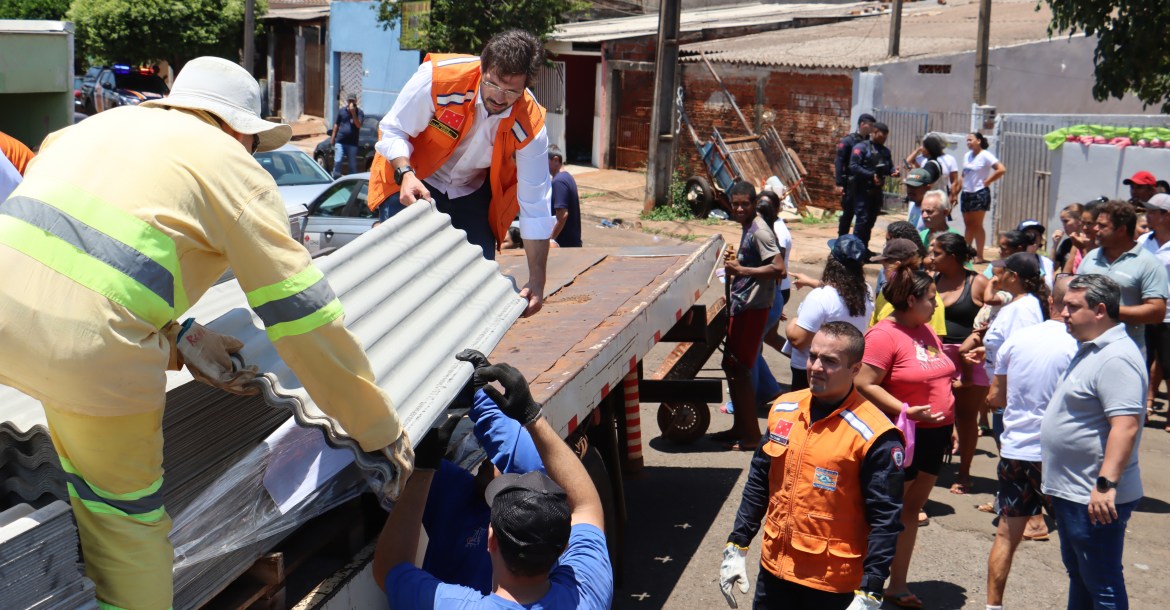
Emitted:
<point x="350" y="75"/>
<point x="314" y="72"/>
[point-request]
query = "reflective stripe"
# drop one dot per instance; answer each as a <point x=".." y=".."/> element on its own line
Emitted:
<point x="855" y="422"/>
<point x="144" y="505"/>
<point x="453" y="98"/>
<point x="519" y="132"/>
<point x="297" y="305"/>
<point x="97" y="245"/>
<point x="456" y="60"/>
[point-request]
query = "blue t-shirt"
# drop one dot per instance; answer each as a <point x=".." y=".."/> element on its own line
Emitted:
<point x="346" y="132"/>
<point x="456" y="516"/>
<point x="582" y="579"/>
<point x="564" y="197"/>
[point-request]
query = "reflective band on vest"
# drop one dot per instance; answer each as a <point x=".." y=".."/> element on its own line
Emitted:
<point x="145" y="505"/>
<point x="297" y="305"/>
<point x="100" y="247"/>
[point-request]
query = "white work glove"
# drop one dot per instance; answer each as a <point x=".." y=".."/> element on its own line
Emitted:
<point x="864" y="601"/>
<point x="733" y="570"/>
<point x="208" y="356"/>
<point x="400" y="453"/>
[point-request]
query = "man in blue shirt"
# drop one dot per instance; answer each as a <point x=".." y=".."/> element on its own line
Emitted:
<point x="565" y="202"/>
<point x="347" y="127"/>
<point x="545" y="541"/>
<point x="456" y="516"/>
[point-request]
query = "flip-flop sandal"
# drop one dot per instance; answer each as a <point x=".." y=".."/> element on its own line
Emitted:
<point x="961" y="489"/>
<point x="987" y="507"/>
<point x="1037" y="537"/>
<point x="739" y="446"/>
<point x="726" y="436"/>
<point x="923" y="521"/>
<point x="905" y="600"/>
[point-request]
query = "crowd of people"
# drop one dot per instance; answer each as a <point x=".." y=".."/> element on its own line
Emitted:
<point x="1055" y="349"/>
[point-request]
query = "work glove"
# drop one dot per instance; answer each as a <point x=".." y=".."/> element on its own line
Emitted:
<point x="733" y="571"/>
<point x="400" y="453"/>
<point x="516" y="401"/>
<point x="208" y="356"/>
<point x="863" y="600"/>
<point x="477" y="360"/>
<point x="433" y="447"/>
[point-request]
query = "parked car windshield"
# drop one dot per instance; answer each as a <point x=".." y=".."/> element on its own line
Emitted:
<point x="146" y="83"/>
<point x="292" y="168"/>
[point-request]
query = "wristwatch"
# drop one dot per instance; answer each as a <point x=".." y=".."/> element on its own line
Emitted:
<point x="400" y="173"/>
<point x="1104" y="485"/>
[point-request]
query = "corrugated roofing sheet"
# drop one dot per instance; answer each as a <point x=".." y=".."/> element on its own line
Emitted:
<point x="699" y="19"/>
<point x="927" y="31"/>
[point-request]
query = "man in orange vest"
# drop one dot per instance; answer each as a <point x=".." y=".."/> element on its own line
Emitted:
<point x="826" y="482"/>
<point x="467" y="133"/>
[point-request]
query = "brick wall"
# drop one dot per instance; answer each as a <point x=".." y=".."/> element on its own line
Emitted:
<point x="808" y="109"/>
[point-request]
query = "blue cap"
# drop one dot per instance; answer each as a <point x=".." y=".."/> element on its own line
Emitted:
<point x="848" y="249"/>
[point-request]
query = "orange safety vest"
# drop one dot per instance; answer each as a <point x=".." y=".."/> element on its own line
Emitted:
<point x="455" y="83"/>
<point x="815" y="531"/>
<point x="16" y="151"/>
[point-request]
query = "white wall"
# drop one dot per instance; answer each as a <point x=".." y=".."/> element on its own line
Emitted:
<point x="1082" y="173"/>
<point x="554" y="123"/>
<point x="1051" y="77"/>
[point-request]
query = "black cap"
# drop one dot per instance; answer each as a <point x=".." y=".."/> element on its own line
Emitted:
<point x="848" y="249"/>
<point x="1023" y="264"/>
<point x="866" y="118"/>
<point x="1030" y="224"/>
<point x="897" y="249"/>
<point x="530" y="515"/>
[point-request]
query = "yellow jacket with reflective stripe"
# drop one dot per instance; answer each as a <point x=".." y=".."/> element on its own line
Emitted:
<point x="192" y="200"/>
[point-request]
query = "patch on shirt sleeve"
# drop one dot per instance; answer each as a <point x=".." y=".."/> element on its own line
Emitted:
<point x="898" y="456"/>
<point x="785" y="407"/>
<point x="825" y="479"/>
<point x="779" y="432"/>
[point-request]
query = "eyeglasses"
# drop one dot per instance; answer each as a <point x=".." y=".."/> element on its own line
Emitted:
<point x="507" y="93"/>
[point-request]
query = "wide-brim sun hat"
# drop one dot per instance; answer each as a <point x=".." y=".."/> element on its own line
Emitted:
<point x="225" y="89"/>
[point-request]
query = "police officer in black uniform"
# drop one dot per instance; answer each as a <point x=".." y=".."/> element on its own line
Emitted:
<point x="870" y="164"/>
<point x="841" y="169"/>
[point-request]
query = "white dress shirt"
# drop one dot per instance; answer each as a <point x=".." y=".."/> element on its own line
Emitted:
<point x="467" y="168"/>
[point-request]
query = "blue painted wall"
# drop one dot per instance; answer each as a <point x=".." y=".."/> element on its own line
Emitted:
<point x="354" y="28"/>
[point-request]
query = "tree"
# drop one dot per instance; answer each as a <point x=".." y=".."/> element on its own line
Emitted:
<point x="34" y="9"/>
<point x="464" y="26"/>
<point x="141" y="31"/>
<point x="1132" y="54"/>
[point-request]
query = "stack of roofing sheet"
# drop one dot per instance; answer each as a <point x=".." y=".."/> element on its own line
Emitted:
<point x="415" y="293"/>
<point x="39" y="566"/>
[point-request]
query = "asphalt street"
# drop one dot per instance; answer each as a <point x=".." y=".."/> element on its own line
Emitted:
<point x="683" y="505"/>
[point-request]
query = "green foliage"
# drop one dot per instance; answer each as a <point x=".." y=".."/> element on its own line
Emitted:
<point x="1132" y="55"/>
<point x="678" y="208"/>
<point x="464" y="26"/>
<point x="54" y="10"/>
<point x="142" y="31"/>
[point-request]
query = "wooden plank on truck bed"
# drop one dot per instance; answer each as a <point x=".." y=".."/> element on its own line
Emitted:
<point x="593" y="331"/>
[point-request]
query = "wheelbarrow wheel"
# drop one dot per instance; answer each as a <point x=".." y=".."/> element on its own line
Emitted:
<point x="683" y="423"/>
<point x="699" y="196"/>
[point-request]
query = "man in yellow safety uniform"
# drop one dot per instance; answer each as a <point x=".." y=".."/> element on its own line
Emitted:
<point x="466" y="133"/>
<point x="120" y="223"/>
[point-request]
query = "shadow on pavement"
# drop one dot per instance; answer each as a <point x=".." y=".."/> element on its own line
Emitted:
<point x="657" y="549"/>
<point x="938" y="594"/>
<point x="1153" y="505"/>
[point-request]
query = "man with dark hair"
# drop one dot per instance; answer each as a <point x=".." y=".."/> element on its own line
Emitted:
<point x="841" y="169"/>
<point x="753" y="272"/>
<point x="347" y="127"/>
<point x="566" y="202"/>
<point x="545" y="537"/>
<point x="1089" y="439"/>
<point x="1143" y="281"/>
<point x="1142" y="185"/>
<point x="467" y="133"/>
<point x="829" y="452"/>
<point x="870" y="164"/>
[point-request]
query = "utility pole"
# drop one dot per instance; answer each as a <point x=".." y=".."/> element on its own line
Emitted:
<point x="249" y="35"/>
<point x="896" y="28"/>
<point x="983" y="41"/>
<point x="661" y="154"/>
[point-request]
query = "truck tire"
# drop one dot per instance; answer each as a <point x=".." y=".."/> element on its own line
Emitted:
<point x="699" y="196"/>
<point x="683" y="423"/>
<point x="604" y="480"/>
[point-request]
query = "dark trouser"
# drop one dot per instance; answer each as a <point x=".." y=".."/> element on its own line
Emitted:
<point x="775" y="594"/>
<point x="468" y="213"/>
<point x="350" y="151"/>
<point x="799" y="379"/>
<point x="846" y="221"/>
<point x="866" y="205"/>
<point x="1158" y="345"/>
<point x="1092" y="556"/>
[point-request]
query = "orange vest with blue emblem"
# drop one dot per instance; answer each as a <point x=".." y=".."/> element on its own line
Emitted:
<point x="455" y="81"/>
<point x="815" y="531"/>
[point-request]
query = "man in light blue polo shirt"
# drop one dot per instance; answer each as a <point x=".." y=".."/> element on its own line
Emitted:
<point x="1141" y="277"/>
<point x="1089" y="439"/>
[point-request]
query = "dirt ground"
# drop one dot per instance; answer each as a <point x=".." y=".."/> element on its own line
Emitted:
<point x="683" y="505"/>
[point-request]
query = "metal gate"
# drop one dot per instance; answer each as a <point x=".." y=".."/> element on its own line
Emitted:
<point x="633" y="144"/>
<point x="314" y="85"/>
<point x="351" y="75"/>
<point x="550" y="87"/>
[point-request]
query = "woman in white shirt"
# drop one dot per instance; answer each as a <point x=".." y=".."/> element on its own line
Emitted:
<point x="980" y="170"/>
<point x="933" y="148"/>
